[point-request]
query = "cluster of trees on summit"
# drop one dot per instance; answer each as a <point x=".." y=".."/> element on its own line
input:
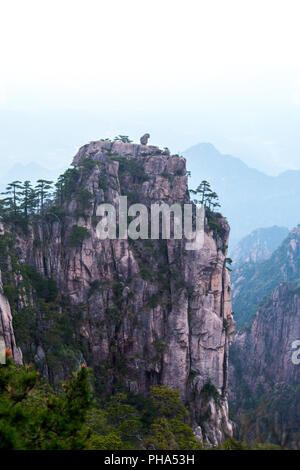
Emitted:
<point x="21" y="197"/>
<point x="22" y="200"/>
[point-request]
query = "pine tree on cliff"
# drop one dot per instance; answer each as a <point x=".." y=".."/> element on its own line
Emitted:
<point x="43" y="189"/>
<point x="123" y="138"/>
<point x="205" y="191"/>
<point x="65" y="185"/>
<point x="59" y="190"/>
<point x="213" y="201"/>
<point x="29" y="199"/>
<point x="13" y="193"/>
<point x="208" y="197"/>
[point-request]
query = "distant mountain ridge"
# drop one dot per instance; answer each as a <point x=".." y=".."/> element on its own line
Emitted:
<point x="249" y="198"/>
<point x="31" y="171"/>
<point x="266" y="302"/>
<point x="258" y="245"/>
<point x="252" y="283"/>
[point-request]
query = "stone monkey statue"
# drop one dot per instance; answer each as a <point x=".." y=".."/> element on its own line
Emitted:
<point x="144" y="139"/>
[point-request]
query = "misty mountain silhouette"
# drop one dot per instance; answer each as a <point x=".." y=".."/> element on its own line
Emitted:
<point x="249" y="198"/>
<point x="31" y="171"/>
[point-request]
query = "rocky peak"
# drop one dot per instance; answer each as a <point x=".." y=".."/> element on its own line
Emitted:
<point x="101" y="149"/>
<point x="140" y="312"/>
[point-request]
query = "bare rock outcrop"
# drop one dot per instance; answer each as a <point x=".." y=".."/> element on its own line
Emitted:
<point x="6" y="327"/>
<point x="144" y="139"/>
<point x="151" y="312"/>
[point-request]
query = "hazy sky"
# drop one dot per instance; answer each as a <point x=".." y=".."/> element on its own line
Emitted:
<point x="226" y="71"/>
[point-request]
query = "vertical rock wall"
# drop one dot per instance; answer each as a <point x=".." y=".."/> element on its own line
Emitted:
<point x="152" y="312"/>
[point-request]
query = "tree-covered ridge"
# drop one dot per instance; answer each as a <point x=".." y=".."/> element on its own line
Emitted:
<point x="23" y="201"/>
<point x="254" y="282"/>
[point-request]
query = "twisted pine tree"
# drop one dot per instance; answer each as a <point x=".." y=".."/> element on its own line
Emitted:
<point x="208" y="198"/>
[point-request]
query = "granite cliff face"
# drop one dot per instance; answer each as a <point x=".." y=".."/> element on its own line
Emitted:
<point x="268" y="345"/>
<point x="6" y="327"/>
<point x="262" y="369"/>
<point x="140" y="312"/>
<point x="252" y="282"/>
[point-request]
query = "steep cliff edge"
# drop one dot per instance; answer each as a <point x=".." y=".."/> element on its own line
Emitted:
<point x="6" y="327"/>
<point x="252" y="282"/>
<point x="262" y="369"/>
<point x="140" y="312"/>
<point x="6" y="321"/>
